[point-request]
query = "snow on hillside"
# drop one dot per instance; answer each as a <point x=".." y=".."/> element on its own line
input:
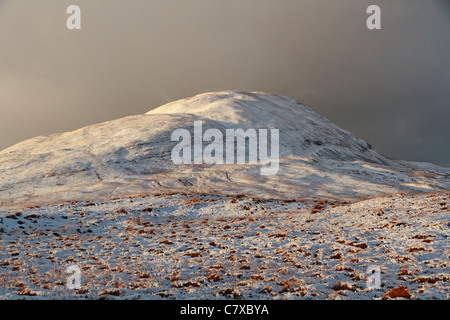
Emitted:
<point x="131" y="155"/>
<point x="303" y="133"/>
<point x="193" y="246"/>
<point x="108" y="199"/>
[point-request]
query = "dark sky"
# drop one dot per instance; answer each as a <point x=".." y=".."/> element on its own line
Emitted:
<point x="389" y="87"/>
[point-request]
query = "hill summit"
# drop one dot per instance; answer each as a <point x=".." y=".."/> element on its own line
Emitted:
<point x="132" y="155"/>
<point x="303" y="132"/>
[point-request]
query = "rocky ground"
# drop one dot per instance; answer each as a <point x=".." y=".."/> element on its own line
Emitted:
<point x="198" y="246"/>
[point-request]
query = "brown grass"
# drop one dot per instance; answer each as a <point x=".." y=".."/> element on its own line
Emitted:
<point x="214" y="277"/>
<point x="266" y="289"/>
<point x="338" y="286"/>
<point x="400" y="292"/>
<point x="188" y="284"/>
<point x="194" y="254"/>
<point x="278" y="235"/>
<point x="27" y="292"/>
<point x="415" y="249"/>
<point x="421" y="236"/>
<point x="405" y="272"/>
<point x="321" y="205"/>
<point x="362" y="245"/>
<point x="82" y="291"/>
<point x="111" y="292"/>
<point x="336" y="256"/>
<point x="424" y="279"/>
<point x="192" y="200"/>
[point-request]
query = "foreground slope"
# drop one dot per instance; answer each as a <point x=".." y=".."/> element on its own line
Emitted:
<point x="131" y="155"/>
<point x="207" y="247"/>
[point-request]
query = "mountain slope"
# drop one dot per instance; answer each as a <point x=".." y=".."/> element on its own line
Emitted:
<point x="303" y="132"/>
<point x="133" y="155"/>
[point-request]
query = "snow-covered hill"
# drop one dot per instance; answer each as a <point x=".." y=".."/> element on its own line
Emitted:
<point x="303" y="132"/>
<point x="131" y="155"/>
<point x="109" y="200"/>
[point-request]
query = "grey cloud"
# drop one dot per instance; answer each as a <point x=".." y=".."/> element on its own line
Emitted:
<point x="389" y="87"/>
